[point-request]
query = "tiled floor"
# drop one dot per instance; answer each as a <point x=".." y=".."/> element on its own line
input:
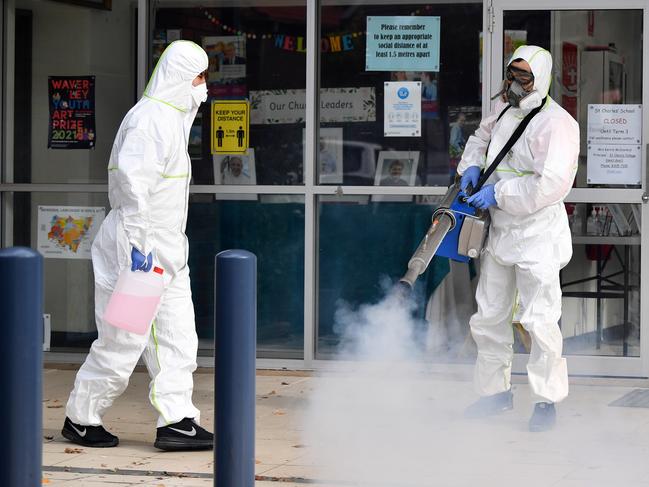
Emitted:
<point x="397" y="440"/>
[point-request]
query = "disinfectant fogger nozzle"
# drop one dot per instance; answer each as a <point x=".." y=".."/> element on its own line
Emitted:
<point x="443" y="222"/>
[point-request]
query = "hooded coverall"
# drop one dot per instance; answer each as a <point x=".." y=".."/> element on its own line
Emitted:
<point x="529" y="238"/>
<point x="148" y="184"/>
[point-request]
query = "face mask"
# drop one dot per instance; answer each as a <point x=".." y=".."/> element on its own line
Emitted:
<point x="199" y="93"/>
<point x="519" y="98"/>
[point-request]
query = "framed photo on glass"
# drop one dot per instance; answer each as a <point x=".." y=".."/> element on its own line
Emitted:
<point x="235" y="169"/>
<point x="396" y="168"/>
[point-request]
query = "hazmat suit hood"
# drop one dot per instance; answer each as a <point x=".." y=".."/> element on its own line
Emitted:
<point x="171" y="81"/>
<point x="540" y="61"/>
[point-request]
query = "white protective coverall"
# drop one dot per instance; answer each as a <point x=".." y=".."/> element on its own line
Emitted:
<point x="529" y="238"/>
<point x="149" y="172"/>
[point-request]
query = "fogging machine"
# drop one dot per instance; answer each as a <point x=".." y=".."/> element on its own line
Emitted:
<point x="459" y="230"/>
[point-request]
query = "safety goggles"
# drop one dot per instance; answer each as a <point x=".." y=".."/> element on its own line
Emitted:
<point x="523" y="77"/>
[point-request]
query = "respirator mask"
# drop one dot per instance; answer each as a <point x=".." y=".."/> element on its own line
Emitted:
<point x="515" y="93"/>
<point x="199" y="94"/>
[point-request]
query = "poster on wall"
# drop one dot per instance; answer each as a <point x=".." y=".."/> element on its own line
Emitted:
<point x="402" y="109"/>
<point x="614" y="144"/>
<point x="72" y="112"/>
<point x="402" y="43"/>
<point x="336" y="105"/>
<point x="429" y="100"/>
<point x="67" y="232"/>
<point x="227" y="66"/>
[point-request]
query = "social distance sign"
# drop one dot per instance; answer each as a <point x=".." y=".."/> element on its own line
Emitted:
<point x="72" y="112"/>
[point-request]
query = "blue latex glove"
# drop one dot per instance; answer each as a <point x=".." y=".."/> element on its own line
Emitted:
<point x="470" y="175"/>
<point x="484" y="198"/>
<point x="139" y="262"/>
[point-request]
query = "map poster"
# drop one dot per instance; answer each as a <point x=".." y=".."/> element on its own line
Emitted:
<point x="67" y="232"/>
<point x="72" y="112"/>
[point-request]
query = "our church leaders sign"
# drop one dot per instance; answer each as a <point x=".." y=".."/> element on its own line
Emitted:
<point x="402" y="43"/>
<point x="355" y="104"/>
<point x="72" y="112"/>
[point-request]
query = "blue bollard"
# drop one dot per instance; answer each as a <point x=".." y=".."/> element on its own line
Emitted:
<point x="21" y="363"/>
<point x="235" y="345"/>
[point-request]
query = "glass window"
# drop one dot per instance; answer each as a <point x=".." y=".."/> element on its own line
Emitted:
<point x="257" y="53"/>
<point x="63" y="52"/>
<point x="61" y="227"/>
<point x="598" y="64"/>
<point x="271" y="227"/>
<point x="601" y="284"/>
<point x="353" y="146"/>
<point x="365" y="243"/>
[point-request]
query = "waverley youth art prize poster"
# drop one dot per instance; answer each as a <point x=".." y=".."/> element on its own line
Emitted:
<point x="72" y="112"/>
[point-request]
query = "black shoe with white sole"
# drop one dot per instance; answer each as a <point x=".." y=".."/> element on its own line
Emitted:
<point x="184" y="435"/>
<point x="91" y="436"/>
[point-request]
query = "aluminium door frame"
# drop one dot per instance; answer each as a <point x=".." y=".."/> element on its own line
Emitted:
<point x="592" y="365"/>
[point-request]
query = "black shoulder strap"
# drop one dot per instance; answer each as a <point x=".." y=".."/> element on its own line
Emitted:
<point x="510" y="143"/>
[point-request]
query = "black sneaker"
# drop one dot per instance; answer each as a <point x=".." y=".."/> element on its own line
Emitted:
<point x="491" y="405"/>
<point x="92" y="436"/>
<point x="184" y="435"/>
<point x="543" y="418"/>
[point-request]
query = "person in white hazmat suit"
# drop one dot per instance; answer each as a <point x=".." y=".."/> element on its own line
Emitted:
<point x="149" y="173"/>
<point x="529" y="237"/>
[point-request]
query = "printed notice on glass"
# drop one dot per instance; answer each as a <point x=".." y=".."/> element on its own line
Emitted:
<point x="402" y="109"/>
<point x="67" y="232"/>
<point x="407" y="43"/>
<point x="614" y="144"/>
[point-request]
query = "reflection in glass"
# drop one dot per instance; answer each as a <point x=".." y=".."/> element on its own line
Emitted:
<point x="601" y="284"/>
<point x="271" y="227"/>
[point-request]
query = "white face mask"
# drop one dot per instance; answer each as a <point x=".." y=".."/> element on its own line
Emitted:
<point x="199" y="93"/>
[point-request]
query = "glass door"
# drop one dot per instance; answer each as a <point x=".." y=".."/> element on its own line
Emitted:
<point x="598" y="57"/>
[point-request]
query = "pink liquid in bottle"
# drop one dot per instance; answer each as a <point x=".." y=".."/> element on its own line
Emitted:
<point x="134" y="302"/>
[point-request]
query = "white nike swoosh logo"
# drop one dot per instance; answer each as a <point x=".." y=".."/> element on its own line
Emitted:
<point x="191" y="432"/>
<point x="80" y="433"/>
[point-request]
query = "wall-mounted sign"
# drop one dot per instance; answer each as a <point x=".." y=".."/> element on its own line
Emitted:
<point x="336" y="105"/>
<point x="402" y="43"/>
<point x="402" y="109"/>
<point x="230" y="126"/>
<point x="67" y="232"/>
<point x="72" y="112"/>
<point x="614" y="144"/>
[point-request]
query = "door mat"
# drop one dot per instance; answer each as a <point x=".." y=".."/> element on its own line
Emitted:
<point x="637" y="398"/>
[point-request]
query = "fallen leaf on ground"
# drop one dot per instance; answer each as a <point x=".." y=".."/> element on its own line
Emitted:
<point x="55" y="406"/>
<point x="104" y="465"/>
<point x="299" y="446"/>
<point x="257" y="461"/>
<point x="73" y="450"/>
<point x="279" y="412"/>
<point x="285" y="384"/>
<point x="48" y="437"/>
<point x="46" y="481"/>
<point x="272" y="393"/>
